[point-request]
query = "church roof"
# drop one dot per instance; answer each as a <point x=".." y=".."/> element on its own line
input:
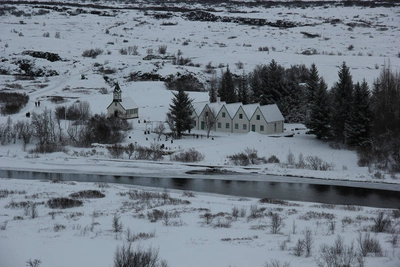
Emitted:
<point x="128" y="103"/>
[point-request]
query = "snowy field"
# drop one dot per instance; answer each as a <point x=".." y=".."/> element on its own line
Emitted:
<point x="83" y="236"/>
<point x="199" y="230"/>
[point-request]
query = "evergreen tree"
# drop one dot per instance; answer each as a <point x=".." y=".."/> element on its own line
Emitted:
<point x="274" y="87"/>
<point x="292" y="104"/>
<point x="312" y="85"/>
<point x="320" y="112"/>
<point x="386" y="102"/>
<point x="358" y="126"/>
<point x="212" y="90"/>
<point x="342" y="95"/>
<point x="179" y="114"/>
<point x="243" y="89"/>
<point x="256" y="83"/>
<point x="226" y="89"/>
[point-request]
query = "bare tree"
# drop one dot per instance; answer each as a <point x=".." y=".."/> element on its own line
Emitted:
<point x="308" y="241"/>
<point x="129" y="149"/>
<point x="210" y="120"/>
<point x="84" y="110"/>
<point x="45" y="130"/>
<point x="159" y="129"/>
<point x="24" y="132"/>
<point x="276" y="223"/>
<point x="117" y="224"/>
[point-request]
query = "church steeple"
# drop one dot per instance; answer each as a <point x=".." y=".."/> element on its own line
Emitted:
<point x="117" y="93"/>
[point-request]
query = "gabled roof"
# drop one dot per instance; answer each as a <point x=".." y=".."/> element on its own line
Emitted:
<point x="271" y="113"/>
<point x="249" y="109"/>
<point x="216" y="106"/>
<point x="198" y="107"/>
<point x="126" y="103"/>
<point x="232" y="108"/>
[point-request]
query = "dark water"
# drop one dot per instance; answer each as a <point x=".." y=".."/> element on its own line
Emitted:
<point x="321" y="193"/>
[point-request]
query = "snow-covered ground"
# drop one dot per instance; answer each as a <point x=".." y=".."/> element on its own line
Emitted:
<point x="193" y="243"/>
<point x="83" y="236"/>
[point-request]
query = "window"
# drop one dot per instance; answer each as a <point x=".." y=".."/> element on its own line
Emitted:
<point x="240" y="116"/>
<point x="275" y="126"/>
<point x="206" y="113"/>
<point x="135" y="111"/>
<point x="223" y="114"/>
<point x="219" y="125"/>
<point x="236" y="126"/>
<point x="227" y="125"/>
<point x="194" y="123"/>
<point x="245" y="127"/>
<point x="258" y="117"/>
<point x="116" y="103"/>
<point x="261" y="128"/>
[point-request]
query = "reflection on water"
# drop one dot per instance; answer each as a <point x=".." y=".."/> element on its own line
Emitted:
<point x="280" y="190"/>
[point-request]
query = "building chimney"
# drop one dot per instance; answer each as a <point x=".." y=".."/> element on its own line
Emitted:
<point x="218" y="99"/>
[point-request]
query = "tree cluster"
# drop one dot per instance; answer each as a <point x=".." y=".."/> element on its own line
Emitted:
<point x="349" y="113"/>
<point x="83" y="130"/>
<point x="265" y="84"/>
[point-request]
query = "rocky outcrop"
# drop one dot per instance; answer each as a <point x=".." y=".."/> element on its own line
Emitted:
<point x="45" y="55"/>
<point x="206" y="16"/>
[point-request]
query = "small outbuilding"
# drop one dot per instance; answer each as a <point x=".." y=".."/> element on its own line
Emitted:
<point x="124" y="108"/>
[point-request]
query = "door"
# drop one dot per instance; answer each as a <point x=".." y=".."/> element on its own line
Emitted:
<point x="253" y="128"/>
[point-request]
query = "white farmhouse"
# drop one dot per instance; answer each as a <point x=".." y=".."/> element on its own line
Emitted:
<point x="124" y="108"/>
<point x="239" y="118"/>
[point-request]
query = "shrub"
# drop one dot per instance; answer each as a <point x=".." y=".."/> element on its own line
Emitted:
<point x="123" y="51"/>
<point x="368" y="244"/>
<point x="191" y="155"/>
<point x="223" y="223"/>
<point x="131" y="237"/>
<point x="116" y="150"/>
<point x="290" y="159"/>
<point x="93" y="53"/>
<point x="57" y="35"/>
<point x="46" y="34"/>
<point x="299" y="248"/>
<point x="57" y="227"/>
<point x="273" y="159"/>
<point x="276" y="263"/>
<point x="187" y="82"/>
<point x="316" y="163"/>
<point x="31" y="210"/>
<point x="117" y="224"/>
<point x="127" y="256"/>
<point x="3" y="226"/>
<point x="351" y="47"/>
<point x="339" y="254"/>
<point x="162" y="49"/>
<point x="308" y="241"/>
<point x="382" y="223"/>
<point x="63" y="203"/>
<point x="249" y="156"/>
<point x="33" y="263"/>
<point x="276" y="223"/>
<point x="87" y="194"/>
<point x="12" y="103"/>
